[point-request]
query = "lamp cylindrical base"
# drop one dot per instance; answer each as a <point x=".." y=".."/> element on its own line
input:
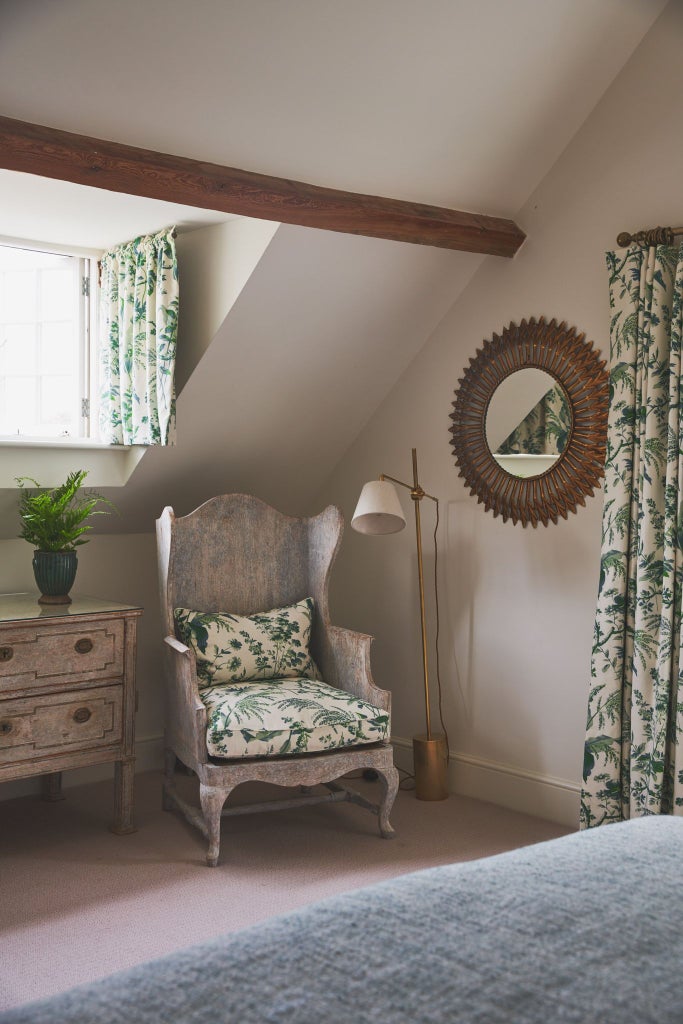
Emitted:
<point x="430" y="756"/>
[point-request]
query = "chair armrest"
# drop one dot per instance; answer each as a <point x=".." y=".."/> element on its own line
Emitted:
<point x="176" y="645"/>
<point x="351" y="657"/>
<point x="185" y="712"/>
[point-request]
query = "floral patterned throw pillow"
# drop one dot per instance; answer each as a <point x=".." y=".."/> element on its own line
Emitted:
<point x="249" y="648"/>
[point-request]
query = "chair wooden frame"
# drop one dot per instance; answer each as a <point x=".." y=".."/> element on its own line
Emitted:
<point x="235" y="553"/>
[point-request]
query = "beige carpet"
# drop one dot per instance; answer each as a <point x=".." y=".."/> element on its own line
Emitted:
<point x="77" y="903"/>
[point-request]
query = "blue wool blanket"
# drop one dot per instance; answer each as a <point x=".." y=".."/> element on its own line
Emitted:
<point x="586" y="928"/>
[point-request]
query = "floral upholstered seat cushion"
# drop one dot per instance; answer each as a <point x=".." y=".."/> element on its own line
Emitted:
<point x="288" y="716"/>
<point x="248" y="648"/>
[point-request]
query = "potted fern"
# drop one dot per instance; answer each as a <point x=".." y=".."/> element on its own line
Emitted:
<point x="53" y="520"/>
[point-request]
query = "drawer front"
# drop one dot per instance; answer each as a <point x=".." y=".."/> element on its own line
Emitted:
<point x="55" y="656"/>
<point x="31" y="727"/>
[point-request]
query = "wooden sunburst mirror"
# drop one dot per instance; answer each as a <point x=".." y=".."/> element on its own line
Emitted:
<point x="574" y="365"/>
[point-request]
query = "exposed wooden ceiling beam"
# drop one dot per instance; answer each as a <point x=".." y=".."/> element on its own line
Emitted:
<point x="51" y="153"/>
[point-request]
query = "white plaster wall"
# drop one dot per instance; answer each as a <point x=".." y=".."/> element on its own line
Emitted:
<point x="214" y="264"/>
<point x="516" y="605"/>
<point x="317" y="337"/>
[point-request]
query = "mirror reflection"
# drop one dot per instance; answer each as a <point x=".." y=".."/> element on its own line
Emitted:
<point x="528" y="422"/>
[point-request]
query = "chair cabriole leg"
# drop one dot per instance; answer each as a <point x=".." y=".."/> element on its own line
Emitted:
<point x="212" y="799"/>
<point x="389" y="779"/>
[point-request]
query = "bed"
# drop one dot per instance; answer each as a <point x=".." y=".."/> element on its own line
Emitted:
<point x="586" y="928"/>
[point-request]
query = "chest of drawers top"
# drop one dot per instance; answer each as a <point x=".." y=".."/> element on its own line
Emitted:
<point x="42" y="647"/>
<point x="15" y="608"/>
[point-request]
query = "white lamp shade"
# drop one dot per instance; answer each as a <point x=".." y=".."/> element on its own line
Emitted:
<point x="378" y="509"/>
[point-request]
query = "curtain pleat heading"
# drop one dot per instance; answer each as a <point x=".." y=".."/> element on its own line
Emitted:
<point x="138" y="337"/>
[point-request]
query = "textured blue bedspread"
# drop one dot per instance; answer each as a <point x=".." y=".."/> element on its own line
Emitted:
<point x="585" y="928"/>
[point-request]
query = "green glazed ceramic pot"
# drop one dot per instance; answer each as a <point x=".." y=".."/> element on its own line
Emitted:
<point x="55" y="572"/>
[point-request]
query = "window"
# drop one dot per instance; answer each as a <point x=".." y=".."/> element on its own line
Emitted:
<point x="44" y="344"/>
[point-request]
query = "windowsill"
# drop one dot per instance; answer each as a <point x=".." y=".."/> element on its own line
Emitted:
<point x="9" y="441"/>
<point x="50" y="460"/>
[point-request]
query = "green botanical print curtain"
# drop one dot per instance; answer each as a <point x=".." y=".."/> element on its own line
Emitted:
<point x="633" y="763"/>
<point x="544" y="431"/>
<point x="138" y="332"/>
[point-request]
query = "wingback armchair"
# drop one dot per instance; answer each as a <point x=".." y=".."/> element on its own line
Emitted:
<point x="236" y="557"/>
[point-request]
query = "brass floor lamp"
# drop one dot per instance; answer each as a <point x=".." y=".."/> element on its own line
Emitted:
<point x="379" y="512"/>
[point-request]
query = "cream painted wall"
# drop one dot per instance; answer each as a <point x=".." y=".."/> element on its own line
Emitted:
<point x="214" y="265"/>
<point x="516" y="605"/>
<point x="117" y="568"/>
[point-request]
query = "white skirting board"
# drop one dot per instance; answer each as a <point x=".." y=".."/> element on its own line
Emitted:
<point x="528" y="792"/>
<point x="519" y="789"/>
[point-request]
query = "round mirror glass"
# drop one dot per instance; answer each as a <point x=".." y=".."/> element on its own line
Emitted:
<point x="492" y="421"/>
<point x="528" y="422"/>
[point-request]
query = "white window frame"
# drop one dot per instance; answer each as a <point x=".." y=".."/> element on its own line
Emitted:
<point x="88" y="356"/>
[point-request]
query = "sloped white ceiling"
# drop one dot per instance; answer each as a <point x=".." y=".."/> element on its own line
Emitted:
<point x="464" y="103"/>
<point x="325" y="325"/>
<point x="456" y="102"/>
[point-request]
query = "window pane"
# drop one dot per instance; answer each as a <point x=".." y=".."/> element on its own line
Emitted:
<point x="57" y="401"/>
<point x="42" y="343"/>
<point x="58" y="293"/>
<point x="19" y="412"/>
<point x="17" y="348"/>
<point x="58" y="348"/>
<point x="20" y="298"/>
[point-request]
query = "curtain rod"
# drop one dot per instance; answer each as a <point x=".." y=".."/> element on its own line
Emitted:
<point x="650" y="236"/>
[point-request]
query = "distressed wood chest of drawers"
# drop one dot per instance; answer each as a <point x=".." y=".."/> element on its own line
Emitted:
<point x="67" y="692"/>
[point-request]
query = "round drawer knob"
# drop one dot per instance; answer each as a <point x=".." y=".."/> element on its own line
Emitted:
<point x="5" y="727"/>
<point x="6" y="653"/>
<point x="83" y="646"/>
<point x="82" y="714"/>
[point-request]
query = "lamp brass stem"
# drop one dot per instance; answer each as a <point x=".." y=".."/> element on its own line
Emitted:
<point x="408" y="487"/>
<point x="430" y="753"/>
<point x="416" y="494"/>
